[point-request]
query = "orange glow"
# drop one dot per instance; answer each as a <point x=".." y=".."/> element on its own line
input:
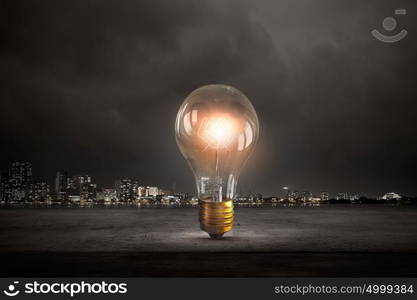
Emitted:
<point x="219" y="131"/>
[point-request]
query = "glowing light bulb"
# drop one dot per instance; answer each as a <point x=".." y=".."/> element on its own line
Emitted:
<point x="216" y="131"/>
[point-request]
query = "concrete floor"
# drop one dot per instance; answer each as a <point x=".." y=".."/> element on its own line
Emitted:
<point x="318" y="229"/>
<point x="150" y="238"/>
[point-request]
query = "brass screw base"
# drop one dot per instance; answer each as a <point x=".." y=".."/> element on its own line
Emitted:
<point x="216" y="218"/>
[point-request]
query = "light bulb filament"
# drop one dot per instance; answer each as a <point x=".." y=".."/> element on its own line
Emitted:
<point x="218" y="132"/>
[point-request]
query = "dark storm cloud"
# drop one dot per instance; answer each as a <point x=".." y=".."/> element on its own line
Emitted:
<point x="94" y="86"/>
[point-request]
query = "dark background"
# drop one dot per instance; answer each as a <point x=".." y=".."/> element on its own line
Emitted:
<point x="94" y="87"/>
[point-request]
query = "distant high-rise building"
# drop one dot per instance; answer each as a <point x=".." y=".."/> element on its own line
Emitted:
<point x="61" y="185"/>
<point x="17" y="184"/>
<point x="88" y="191"/>
<point x="148" y="191"/>
<point x="38" y="191"/>
<point x="127" y="189"/>
<point x="19" y="180"/>
<point x="76" y="181"/>
<point x="21" y="172"/>
<point x="5" y="191"/>
<point x="82" y="186"/>
<point x="153" y="191"/>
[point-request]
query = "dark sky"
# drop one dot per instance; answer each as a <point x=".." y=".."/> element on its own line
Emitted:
<point x="94" y="87"/>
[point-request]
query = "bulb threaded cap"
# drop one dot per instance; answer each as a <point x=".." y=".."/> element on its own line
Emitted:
<point x="216" y="218"/>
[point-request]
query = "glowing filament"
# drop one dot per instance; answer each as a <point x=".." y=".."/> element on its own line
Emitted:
<point x="218" y="132"/>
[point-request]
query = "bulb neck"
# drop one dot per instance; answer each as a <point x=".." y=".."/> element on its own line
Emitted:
<point x="216" y="188"/>
<point x="216" y="218"/>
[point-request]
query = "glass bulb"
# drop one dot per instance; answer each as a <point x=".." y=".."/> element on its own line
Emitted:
<point x="216" y="131"/>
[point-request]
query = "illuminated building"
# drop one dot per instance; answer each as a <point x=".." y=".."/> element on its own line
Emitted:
<point x="127" y="189"/>
<point x="19" y="180"/>
<point x="76" y="181"/>
<point x="38" y="191"/>
<point x="153" y="191"/>
<point x="88" y="191"/>
<point x="82" y="186"/>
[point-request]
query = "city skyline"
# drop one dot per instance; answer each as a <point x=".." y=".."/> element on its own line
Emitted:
<point x="19" y="179"/>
